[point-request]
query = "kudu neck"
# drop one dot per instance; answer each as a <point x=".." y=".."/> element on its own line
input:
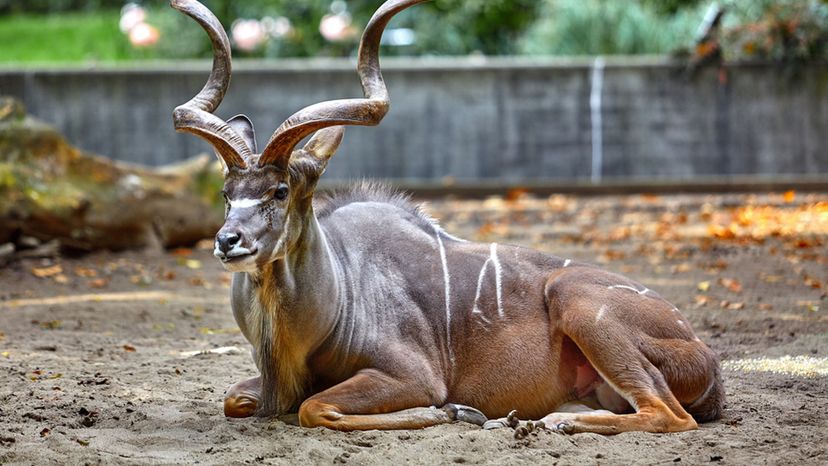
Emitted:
<point x="302" y="287"/>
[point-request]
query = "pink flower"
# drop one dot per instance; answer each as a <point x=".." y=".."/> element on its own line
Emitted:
<point x="131" y="16"/>
<point x="336" y="27"/>
<point x="143" y="35"/>
<point x="248" y="34"/>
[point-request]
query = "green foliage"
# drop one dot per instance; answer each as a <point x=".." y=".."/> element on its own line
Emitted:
<point x="54" y="6"/>
<point x="780" y="30"/>
<point x="607" y="27"/>
<point x="671" y="7"/>
<point x="68" y="37"/>
<point x="85" y="30"/>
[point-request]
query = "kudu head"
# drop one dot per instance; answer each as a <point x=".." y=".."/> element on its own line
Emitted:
<point x="268" y="194"/>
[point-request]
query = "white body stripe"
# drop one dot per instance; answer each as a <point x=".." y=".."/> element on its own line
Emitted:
<point x="475" y="308"/>
<point x="612" y="287"/>
<point x="601" y="312"/>
<point x="447" y="283"/>
<point x="567" y="262"/>
<point x="498" y="273"/>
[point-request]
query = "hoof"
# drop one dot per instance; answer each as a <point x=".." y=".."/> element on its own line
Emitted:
<point x="243" y="398"/>
<point x="465" y="414"/>
<point x="564" y="427"/>
<point x="511" y="420"/>
<point x="240" y="406"/>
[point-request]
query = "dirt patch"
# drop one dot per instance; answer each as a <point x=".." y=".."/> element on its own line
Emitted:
<point x="97" y="365"/>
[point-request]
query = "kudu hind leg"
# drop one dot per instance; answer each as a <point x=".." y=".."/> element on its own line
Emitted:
<point x="373" y="400"/>
<point x="609" y="346"/>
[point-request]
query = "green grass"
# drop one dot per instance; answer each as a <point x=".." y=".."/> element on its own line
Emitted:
<point x="67" y="37"/>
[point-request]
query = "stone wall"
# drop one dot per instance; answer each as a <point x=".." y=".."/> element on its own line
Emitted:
<point x="472" y="120"/>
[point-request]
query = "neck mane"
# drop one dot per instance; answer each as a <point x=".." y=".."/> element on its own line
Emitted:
<point x="299" y="299"/>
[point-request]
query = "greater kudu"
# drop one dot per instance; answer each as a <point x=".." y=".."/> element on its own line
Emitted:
<point x="364" y="314"/>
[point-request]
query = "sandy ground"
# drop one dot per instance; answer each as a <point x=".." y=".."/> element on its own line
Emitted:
<point x="94" y="365"/>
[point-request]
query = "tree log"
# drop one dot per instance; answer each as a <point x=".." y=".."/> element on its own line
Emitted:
<point x="50" y="190"/>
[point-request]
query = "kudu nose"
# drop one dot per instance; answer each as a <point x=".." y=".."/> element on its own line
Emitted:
<point x="227" y="240"/>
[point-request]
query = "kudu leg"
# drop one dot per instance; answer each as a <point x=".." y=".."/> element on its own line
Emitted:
<point x="374" y="400"/>
<point x="243" y="398"/>
<point x="615" y="356"/>
<point x="610" y="348"/>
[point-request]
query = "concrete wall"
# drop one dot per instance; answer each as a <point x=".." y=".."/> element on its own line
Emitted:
<point x="470" y="120"/>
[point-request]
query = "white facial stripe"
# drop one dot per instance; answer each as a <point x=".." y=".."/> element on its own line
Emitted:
<point x="246" y="202"/>
<point x="498" y="272"/>
<point x="447" y="282"/>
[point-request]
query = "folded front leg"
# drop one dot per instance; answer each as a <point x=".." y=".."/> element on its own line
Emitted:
<point x="372" y="399"/>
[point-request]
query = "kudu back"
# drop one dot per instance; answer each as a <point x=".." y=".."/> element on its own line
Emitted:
<point x="363" y="313"/>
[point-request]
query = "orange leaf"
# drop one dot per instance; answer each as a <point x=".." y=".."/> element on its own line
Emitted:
<point x="181" y="252"/>
<point x="515" y="194"/>
<point x="97" y="283"/>
<point x="731" y="284"/>
<point x="47" y="271"/>
<point x="84" y="272"/>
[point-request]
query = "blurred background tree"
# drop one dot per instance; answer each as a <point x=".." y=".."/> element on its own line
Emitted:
<point x="88" y="30"/>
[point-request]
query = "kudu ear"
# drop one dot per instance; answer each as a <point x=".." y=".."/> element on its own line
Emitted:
<point x="244" y="128"/>
<point x="324" y="143"/>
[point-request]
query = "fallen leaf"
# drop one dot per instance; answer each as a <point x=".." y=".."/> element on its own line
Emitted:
<point x="5" y="354"/>
<point x="515" y="194"/>
<point x="731" y="284"/>
<point x="141" y="279"/>
<point x="789" y="196"/>
<point x="766" y="306"/>
<point x="720" y="232"/>
<point x="732" y="306"/>
<point x="703" y="286"/>
<point x="813" y="282"/>
<point x="772" y="278"/>
<point x="98" y="283"/>
<point x="61" y="278"/>
<point x="681" y="268"/>
<point x="701" y="300"/>
<point x="612" y="255"/>
<point x="49" y="325"/>
<point x="44" y="272"/>
<point x="86" y="273"/>
<point x="191" y="263"/>
<point x="45" y="432"/>
<point x="129" y="348"/>
<point x="182" y="252"/>
<point x="197" y="281"/>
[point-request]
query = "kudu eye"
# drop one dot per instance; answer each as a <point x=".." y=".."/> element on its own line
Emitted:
<point x="281" y="192"/>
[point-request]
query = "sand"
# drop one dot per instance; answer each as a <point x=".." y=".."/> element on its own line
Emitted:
<point x="98" y="363"/>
